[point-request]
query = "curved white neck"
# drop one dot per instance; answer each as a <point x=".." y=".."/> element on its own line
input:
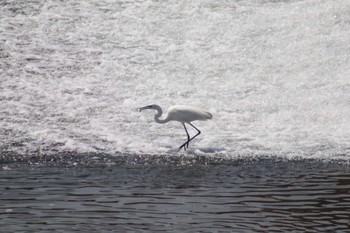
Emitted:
<point x="159" y="113"/>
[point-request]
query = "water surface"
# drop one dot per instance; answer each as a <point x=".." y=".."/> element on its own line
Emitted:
<point x="273" y="73"/>
<point x="181" y="195"/>
<point x="76" y="156"/>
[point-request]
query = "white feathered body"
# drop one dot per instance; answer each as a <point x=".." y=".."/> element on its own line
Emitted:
<point x="186" y="114"/>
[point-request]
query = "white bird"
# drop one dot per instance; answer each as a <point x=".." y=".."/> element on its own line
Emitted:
<point x="183" y="114"/>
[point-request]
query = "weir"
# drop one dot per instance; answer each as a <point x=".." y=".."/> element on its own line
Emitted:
<point x="273" y="73"/>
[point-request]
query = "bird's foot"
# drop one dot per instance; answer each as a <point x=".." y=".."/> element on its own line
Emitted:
<point x="185" y="146"/>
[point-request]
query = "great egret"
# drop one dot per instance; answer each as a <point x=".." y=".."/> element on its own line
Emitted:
<point x="183" y="114"/>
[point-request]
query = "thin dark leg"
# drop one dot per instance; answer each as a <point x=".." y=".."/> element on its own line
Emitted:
<point x="188" y="135"/>
<point x="190" y="139"/>
<point x="198" y="132"/>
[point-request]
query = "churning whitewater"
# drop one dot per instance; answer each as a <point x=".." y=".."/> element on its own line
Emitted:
<point x="275" y="74"/>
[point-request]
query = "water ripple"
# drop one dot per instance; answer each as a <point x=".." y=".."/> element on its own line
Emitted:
<point x="265" y="196"/>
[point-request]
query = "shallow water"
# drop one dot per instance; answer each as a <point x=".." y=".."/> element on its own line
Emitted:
<point x="75" y="155"/>
<point x="190" y="194"/>
<point x="273" y="73"/>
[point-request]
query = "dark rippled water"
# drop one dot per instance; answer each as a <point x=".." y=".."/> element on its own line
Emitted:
<point x="173" y="194"/>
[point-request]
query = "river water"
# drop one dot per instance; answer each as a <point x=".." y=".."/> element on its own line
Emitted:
<point x="136" y="194"/>
<point x="76" y="155"/>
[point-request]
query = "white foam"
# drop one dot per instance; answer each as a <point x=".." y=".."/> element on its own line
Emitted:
<point x="274" y="75"/>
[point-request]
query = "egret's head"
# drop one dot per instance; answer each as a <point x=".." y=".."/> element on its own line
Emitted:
<point x="152" y="106"/>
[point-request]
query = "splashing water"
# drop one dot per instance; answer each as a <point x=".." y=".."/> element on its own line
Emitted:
<point x="275" y="75"/>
